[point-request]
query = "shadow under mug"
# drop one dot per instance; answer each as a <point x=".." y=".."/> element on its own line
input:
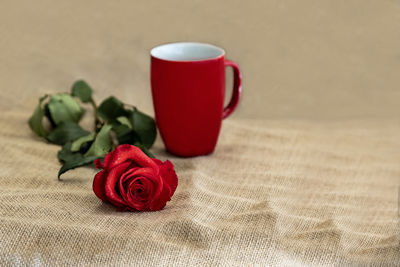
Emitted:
<point x="188" y="88"/>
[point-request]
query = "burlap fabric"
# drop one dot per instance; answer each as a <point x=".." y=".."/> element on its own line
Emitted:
<point x="273" y="193"/>
<point x="322" y="190"/>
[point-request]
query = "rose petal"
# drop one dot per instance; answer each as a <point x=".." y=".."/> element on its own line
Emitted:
<point x="153" y="182"/>
<point x="138" y="172"/>
<point x="125" y="153"/>
<point x="99" y="183"/>
<point x="150" y="174"/>
<point x="170" y="179"/>
<point x="124" y="186"/>
<point x="164" y="196"/>
<point x="157" y="205"/>
<point x="148" y="188"/>
<point x="136" y="204"/>
<point x="123" y="179"/>
<point x="168" y="173"/>
<point x="157" y="161"/>
<point x="113" y="176"/>
<point x="144" y="185"/>
<point x="98" y="164"/>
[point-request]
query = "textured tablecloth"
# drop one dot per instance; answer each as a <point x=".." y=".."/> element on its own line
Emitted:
<point x="273" y="193"/>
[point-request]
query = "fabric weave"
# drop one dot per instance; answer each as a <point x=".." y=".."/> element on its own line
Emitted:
<point x="273" y="193"/>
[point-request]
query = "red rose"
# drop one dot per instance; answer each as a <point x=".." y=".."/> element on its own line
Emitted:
<point x="132" y="181"/>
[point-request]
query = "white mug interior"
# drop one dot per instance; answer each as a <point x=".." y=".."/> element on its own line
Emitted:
<point x="187" y="52"/>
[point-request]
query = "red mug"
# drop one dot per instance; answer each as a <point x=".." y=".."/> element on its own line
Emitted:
<point x="188" y="88"/>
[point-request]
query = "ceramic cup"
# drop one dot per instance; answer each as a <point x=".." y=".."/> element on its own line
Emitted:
<point x="188" y="88"/>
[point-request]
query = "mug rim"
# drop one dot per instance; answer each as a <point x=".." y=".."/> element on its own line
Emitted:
<point x="155" y="49"/>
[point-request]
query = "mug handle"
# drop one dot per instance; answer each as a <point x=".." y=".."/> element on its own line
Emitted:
<point x="237" y="89"/>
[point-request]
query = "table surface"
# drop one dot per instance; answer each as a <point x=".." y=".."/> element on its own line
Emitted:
<point x="278" y="193"/>
<point x="306" y="172"/>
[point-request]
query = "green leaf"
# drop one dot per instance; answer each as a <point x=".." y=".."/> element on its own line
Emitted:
<point x="125" y="135"/>
<point x="102" y="144"/>
<point x="76" y="145"/>
<point x="124" y="121"/>
<point x="71" y="159"/>
<point x="75" y="163"/>
<point x="66" y="132"/>
<point x="82" y="90"/>
<point x="65" y="154"/>
<point x="64" y="108"/>
<point x="48" y="115"/>
<point x="145" y="127"/>
<point x="110" y="109"/>
<point x="35" y="121"/>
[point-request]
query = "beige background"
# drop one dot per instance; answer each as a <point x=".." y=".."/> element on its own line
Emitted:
<point x="306" y="172"/>
<point x="300" y="59"/>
